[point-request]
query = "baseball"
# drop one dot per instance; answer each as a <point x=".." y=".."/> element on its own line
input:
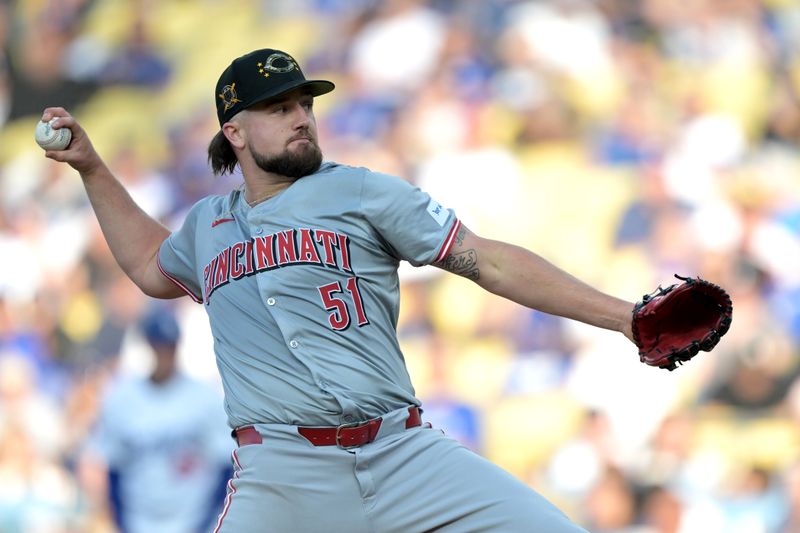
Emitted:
<point x="52" y="139"/>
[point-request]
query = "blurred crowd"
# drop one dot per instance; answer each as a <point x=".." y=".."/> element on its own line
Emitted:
<point x="626" y="141"/>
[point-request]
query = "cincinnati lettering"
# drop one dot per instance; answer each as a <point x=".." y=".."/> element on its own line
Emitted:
<point x="281" y="249"/>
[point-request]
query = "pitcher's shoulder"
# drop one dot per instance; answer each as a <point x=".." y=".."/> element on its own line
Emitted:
<point x="213" y="207"/>
<point x="351" y="173"/>
<point x="221" y="204"/>
<point x="333" y="168"/>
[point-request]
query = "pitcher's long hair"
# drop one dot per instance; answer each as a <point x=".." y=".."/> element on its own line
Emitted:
<point x="221" y="155"/>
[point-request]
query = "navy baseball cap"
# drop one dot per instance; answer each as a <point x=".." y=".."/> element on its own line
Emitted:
<point x="260" y="75"/>
<point x="159" y="326"/>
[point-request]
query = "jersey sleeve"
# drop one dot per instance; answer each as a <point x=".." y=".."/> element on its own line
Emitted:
<point x="418" y="228"/>
<point x="177" y="257"/>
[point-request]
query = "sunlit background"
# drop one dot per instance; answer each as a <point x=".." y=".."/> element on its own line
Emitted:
<point x="625" y="141"/>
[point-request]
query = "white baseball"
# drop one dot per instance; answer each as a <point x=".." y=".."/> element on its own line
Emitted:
<point x="52" y="139"/>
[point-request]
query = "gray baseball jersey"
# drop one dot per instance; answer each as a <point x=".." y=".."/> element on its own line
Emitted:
<point x="302" y="292"/>
<point x="302" y="295"/>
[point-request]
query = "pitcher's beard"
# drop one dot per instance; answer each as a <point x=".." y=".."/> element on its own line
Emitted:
<point x="291" y="164"/>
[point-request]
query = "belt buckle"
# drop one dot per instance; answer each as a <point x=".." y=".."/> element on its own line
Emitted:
<point x="338" y="436"/>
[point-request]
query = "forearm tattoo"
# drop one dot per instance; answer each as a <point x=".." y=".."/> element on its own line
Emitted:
<point x="462" y="232"/>
<point x="464" y="263"/>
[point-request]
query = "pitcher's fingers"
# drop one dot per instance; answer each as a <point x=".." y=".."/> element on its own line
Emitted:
<point x="52" y="112"/>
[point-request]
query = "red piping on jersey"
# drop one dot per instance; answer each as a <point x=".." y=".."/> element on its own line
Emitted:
<point x="220" y="221"/>
<point x="448" y="242"/>
<point x="177" y="282"/>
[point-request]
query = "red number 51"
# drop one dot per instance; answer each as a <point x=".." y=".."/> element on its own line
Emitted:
<point x="332" y="299"/>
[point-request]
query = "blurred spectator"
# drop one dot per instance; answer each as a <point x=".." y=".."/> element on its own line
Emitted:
<point x="160" y="452"/>
<point x="662" y="511"/>
<point x="546" y="26"/>
<point x="611" y="504"/>
<point x="382" y="55"/>
<point x="23" y="406"/>
<point x="755" y="384"/>
<point x="36" y="73"/>
<point x="20" y="338"/>
<point x="37" y="494"/>
<point x="668" y="454"/>
<point x="578" y="465"/>
<point x="137" y="62"/>
<point x="752" y="503"/>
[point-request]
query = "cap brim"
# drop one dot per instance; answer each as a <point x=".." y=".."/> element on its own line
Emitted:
<point x="316" y="88"/>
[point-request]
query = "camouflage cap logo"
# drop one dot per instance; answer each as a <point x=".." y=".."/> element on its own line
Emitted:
<point x="269" y="64"/>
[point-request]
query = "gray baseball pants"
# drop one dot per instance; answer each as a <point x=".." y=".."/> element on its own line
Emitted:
<point x="405" y="481"/>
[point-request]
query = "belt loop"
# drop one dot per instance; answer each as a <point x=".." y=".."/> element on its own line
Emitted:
<point x="246" y="435"/>
<point x="414" y="417"/>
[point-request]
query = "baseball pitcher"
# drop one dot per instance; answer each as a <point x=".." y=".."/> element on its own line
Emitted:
<point x="297" y="270"/>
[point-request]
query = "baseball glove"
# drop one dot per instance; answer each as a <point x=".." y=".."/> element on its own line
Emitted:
<point x="672" y="324"/>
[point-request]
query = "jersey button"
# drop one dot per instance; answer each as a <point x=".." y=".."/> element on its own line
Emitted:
<point x="270" y="301"/>
<point x="259" y="230"/>
<point x="293" y="343"/>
